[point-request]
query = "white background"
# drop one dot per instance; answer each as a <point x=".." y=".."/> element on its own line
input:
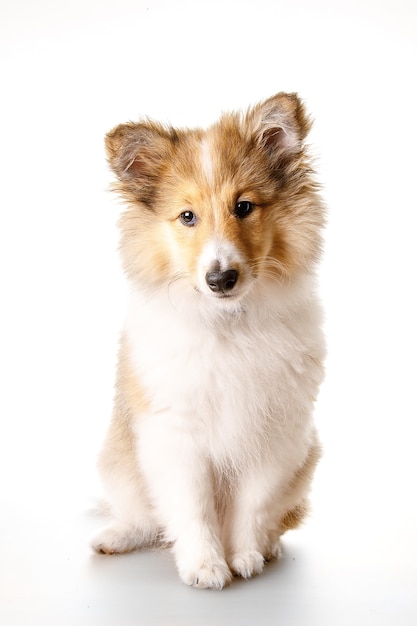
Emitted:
<point x="69" y="72"/>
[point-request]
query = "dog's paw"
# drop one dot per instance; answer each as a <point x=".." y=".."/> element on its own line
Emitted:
<point x="200" y="559"/>
<point x="208" y="575"/>
<point x="247" y="564"/>
<point x="116" y="538"/>
<point x="274" y="551"/>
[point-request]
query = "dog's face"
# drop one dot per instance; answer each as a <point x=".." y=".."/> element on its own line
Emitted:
<point x="221" y="208"/>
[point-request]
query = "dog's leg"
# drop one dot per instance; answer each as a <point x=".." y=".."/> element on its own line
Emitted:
<point x="264" y="507"/>
<point x="247" y="521"/>
<point x="133" y="525"/>
<point x="180" y="487"/>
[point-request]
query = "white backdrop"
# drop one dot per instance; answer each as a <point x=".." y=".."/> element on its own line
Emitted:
<point x="72" y="70"/>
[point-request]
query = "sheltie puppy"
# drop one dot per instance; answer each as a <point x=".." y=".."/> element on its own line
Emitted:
<point x="212" y="447"/>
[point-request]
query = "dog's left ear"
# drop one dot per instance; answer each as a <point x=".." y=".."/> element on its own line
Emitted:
<point x="280" y="124"/>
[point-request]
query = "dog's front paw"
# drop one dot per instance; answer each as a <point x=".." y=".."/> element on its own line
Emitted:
<point x="200" y="559"/>
<point x="207" y="575"/>
<point x="247" y="564"/>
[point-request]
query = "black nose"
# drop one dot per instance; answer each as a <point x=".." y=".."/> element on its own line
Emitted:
<point x="222" y="281"/>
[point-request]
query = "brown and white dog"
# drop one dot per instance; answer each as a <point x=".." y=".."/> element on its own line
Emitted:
<point x="212" y="445"/>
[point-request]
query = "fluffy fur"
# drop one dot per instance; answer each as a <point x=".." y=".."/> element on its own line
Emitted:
<point x="212" y="446"/>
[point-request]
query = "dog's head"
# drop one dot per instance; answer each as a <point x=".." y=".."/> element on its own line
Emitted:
<point x="222" y="208"/>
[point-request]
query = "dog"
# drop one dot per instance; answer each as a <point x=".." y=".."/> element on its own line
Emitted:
<point x="212" y="446"/>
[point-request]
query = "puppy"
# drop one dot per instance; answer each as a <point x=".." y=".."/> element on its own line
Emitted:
<point x="212" y="446"/>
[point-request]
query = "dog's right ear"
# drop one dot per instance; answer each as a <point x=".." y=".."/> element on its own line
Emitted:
<point x="136" y="152"/>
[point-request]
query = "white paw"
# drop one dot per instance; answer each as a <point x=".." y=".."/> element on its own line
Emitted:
<point x="274" y="552"/>
<point x="247" y="564"/>
<point x="200" y="559"/>
<point x="116" y="538"/>
<point x="209" y="575"/>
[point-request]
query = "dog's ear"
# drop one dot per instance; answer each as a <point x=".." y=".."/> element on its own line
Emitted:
<point x="136" y="152"/>
<point x="280" y="124"/>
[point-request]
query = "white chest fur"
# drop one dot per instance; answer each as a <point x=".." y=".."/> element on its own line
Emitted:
<point x="237" y="381"/>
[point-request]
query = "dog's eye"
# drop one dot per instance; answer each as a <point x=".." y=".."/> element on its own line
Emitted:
<point x="188" y="218"/>
<point x="243" y="208"/>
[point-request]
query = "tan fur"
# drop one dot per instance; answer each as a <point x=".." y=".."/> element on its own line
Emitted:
<point x="129" y="400"/>
<point x="304" y="475"/>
